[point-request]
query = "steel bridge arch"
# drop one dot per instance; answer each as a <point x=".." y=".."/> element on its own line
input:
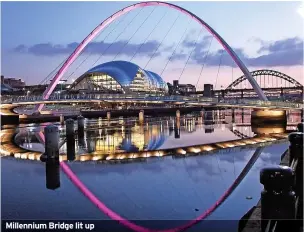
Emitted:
<point x="119" y="13"/>
<point x="265" y="72"/>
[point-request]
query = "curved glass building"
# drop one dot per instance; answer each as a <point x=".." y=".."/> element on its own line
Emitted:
<point x="121" y="77"/>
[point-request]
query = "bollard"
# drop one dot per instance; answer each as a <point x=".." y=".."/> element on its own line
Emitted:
<point x="51" y="133"/>
<point x="296" y="152"/>
<point x="61" y="119"/>
<point x="70" y="139"/>
<point x="277" y="198"/>
<point x="80" y="129"/>
<point x="178" y="114"/>
<point x="108" y="115"/>
<point x="141" y="117"/>
<point x="52" y="173"/>
<point x="300" y="127"/>
<point x="296" y="145"/>
<point x="70" y="127"/>
<point x="202" y="113"/>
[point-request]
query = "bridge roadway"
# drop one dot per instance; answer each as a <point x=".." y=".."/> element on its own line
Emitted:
<point x="9" y="148"/>
<point x="9" y="104"/>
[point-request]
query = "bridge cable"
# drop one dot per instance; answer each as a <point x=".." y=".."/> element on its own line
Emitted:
<point x="45" y="80"/>
<point x="190" y="55"/>
<point x="134" y="34"/>
<point x="117" y="36"/>
<point x="162" y="41"/>
<point x="218" y="70"/>
<point x="138" y="49"/>
<point x="114" y="28"/>
<point x="205" y="59"/>
<point x="173" y="53"/>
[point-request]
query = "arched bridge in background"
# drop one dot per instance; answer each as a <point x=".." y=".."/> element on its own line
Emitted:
<point x="273" y="83"/>
<point x="263" y="76"/>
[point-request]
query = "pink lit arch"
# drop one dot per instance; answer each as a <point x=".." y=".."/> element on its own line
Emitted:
<point x="116" y="15"/>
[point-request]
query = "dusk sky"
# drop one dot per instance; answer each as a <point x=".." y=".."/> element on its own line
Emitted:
<point x="38" y="36"/>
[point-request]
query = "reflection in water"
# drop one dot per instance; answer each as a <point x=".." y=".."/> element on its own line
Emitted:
<point x="70" y="144"/>
<point x="52" y="173"/>
<point x="177" y="129"/>
<point x="269" y="129"/>
<point x="168" y="189"/>
<point x="127" y="135"/>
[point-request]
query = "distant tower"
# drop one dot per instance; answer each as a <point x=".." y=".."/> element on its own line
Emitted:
<point x="208" y="90"/>
<point x="175" y="83"/>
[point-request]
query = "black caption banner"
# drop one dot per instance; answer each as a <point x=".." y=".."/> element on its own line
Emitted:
<point x="114" y="226"/>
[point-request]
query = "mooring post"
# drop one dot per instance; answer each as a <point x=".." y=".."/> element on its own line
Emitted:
<point x="300" y="127"/>
<point x="51" y="133"/>
<point x="278" y="200"/>
<point x="70" y="139"/>
<point x="296" y="145"/>
<point x="296" y="152"/>
<point x="51" y="157"/>
<point x="80" y="123"/>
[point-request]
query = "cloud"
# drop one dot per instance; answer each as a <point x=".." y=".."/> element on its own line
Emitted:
<point x="120" y="47"/>
<point x="178" y="56"/>
<point x="283" y="45"/>
<point x="287" y="52"/>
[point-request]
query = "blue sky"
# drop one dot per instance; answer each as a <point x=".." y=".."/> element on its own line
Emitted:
<point x="36" y="35"/>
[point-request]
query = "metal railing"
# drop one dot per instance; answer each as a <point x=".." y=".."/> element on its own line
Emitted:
<point x="148" y="98"/>
<point x="282" y="197"/>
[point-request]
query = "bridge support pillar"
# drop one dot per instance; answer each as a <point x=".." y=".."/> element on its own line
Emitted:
<point x="70" y="139"/>
<point x="141" y="116"/>
<point x="109" y="115"/>
<point x="259" y="117"/>
<point x="51" y="133"/>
